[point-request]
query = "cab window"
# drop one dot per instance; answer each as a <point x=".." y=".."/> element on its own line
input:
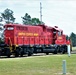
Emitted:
<point x="10" y="28"/>
<point x="59" y="33"/>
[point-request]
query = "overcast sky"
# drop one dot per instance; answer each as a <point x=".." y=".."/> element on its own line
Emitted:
<point x="61" y="13"/>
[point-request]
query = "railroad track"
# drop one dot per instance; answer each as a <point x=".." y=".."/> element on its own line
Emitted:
<point x="39" y="54"/>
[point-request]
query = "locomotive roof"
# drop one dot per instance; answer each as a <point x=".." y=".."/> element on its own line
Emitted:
<point x="49" y="27"/>
<point x="55" y="28"/>
<point x="22" y="25"/>
<point x="58" y="29"/>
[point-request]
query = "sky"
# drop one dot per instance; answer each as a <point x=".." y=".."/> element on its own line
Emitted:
<point x="61" y="13"/>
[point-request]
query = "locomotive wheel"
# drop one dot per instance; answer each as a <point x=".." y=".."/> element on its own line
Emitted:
<point x="63" y="50"/>
<point x="8" y="52"/>
<point x="58" y="49"/>
<point x="17" y="52"/>
<point x="30" y="52"/>
<point x="66" y="49"/>
<point x="8" y="56"/>
<point x="21" y="52"/>
<point x="47" y="53"/>
<point x="55" y="52"/>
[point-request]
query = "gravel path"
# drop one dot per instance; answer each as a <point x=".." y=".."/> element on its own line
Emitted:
<point x="73" y="52"/>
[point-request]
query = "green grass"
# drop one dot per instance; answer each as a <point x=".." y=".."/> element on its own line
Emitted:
<point x="38" y="65"/>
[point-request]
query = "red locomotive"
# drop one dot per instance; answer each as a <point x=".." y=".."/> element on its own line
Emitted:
<point x="28" y="39"/>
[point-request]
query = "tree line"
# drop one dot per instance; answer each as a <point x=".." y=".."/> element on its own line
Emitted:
<point x="8" y="17"/>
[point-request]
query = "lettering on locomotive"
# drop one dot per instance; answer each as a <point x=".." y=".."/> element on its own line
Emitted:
<point x="27" y="34"/>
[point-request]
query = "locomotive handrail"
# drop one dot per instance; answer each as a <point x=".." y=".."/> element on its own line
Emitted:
<point x="9" y="43"/>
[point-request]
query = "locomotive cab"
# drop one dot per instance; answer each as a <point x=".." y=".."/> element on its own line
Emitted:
<point x="61" y="38"/>
<point x="61" y="42"/>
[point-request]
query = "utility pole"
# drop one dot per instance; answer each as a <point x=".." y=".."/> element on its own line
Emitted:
<point x="41" y="12"/>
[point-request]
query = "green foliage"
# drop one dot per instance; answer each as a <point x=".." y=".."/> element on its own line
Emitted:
<point x="36" y="21"/>
<point x="30" y="21"/>
<point x="0" y="19"/>
<point x="67" y="37"/>
<point x="26" y="19"/>
<point x="73" y="39"/>
<point x="7" y="15"/>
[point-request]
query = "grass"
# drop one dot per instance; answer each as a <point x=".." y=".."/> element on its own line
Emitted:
<point x="38" y="65"/>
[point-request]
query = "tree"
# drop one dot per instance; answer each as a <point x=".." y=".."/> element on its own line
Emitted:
<point x="73" y="39"/>
<point x="7" y="15"/>
<point x="26" y="19"/>
<point x="35" y="21"/>
<point x="31" y="21"/>
<point x="1" y="19"/>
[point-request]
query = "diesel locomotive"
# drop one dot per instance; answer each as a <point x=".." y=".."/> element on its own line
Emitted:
<point x="28" y="39"/>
